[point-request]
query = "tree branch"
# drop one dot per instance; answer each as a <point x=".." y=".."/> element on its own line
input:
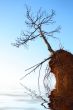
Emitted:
<point x="36" y="24"/>
<point x="35" y="67"/>
<point x="46" y="42"/>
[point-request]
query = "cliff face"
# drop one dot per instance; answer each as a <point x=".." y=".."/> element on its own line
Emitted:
<point x="61" y="65"/>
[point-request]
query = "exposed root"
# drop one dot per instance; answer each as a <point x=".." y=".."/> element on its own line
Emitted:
<point x="46" y="86"/>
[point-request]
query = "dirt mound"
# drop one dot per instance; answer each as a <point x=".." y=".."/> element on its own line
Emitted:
<point x="61" y="65"/>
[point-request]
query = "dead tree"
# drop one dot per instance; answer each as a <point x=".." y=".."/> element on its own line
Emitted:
<point x="58" y="64"/>
<point x="36" y="24"/>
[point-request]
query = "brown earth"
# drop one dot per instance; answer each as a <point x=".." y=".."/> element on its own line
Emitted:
<point x="61" y="65"/>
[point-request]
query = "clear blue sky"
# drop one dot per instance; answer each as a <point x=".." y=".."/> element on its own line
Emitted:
<point x="14" y="61"/>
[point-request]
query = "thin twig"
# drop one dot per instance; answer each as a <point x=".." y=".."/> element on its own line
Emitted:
<point x="39" y="80"/>
<point x="34" y="67"/>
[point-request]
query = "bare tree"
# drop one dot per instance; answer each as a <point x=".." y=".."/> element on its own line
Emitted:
<point x="36" y="23"/>
<point x="60" y="63"/>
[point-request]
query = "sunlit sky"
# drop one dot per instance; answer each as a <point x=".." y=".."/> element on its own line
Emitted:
<point x="14" y="61"/>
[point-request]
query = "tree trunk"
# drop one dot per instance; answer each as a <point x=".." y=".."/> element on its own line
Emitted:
<point x="61" y="65"/>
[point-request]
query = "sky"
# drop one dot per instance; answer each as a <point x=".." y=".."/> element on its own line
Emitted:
<point x="14" y="61"/>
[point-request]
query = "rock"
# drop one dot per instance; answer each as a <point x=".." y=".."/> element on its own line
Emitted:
<point x="61" y="65"/>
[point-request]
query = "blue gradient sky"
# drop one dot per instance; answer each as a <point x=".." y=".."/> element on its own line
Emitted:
<point x="14" y="61"/>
